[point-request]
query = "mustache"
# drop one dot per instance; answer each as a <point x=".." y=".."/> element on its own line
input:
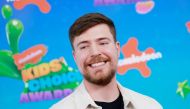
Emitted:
<point x="97" y="58"/>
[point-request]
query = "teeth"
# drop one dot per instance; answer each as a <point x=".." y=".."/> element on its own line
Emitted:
<point x="98" y="64"/>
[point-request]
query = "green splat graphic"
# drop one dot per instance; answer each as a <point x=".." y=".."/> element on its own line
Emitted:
<point x="14" y="29"/>
<point x="6" y="11"/>
<point x="183" y="89"/>
<point x="7" y="66"/>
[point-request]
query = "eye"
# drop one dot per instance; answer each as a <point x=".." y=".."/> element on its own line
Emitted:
<point x="103" y="43"/>
<point x="83" y="47"/>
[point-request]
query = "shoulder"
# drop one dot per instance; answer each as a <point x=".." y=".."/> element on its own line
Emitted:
<point x="141" y="100"/>
<point x="65" y="103"/>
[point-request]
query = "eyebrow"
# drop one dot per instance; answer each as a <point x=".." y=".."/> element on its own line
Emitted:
<point x="99" y="39"/>
<point x="82" y="42"/>
<point x="103" y="38"/>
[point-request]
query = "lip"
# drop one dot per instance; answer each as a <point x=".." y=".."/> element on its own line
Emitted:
<point x="98" y="64"/>
<point x="96" y="61"/>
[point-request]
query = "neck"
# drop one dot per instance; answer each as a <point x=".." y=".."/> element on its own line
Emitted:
<point x="107" y="93"/>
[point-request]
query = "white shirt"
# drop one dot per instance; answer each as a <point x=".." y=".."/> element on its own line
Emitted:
<point x="80" y="99"/>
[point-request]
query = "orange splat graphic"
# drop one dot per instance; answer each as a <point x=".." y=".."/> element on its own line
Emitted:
<point x="143" y="7"/>
<point x="43" y="5"/>
<point x="131" y="48"/>
<point x="188" y="26"/>
<point x="30" y="56"/>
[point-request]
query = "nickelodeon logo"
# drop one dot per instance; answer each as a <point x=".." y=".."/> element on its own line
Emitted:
<point x="30" y="56"/>
<point x="110" y="2"/>
<point x="135" y="59"/>
<point x="12" y="0"/>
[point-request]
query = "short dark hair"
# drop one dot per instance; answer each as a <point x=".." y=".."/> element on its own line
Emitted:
<point x="87" y="21"/>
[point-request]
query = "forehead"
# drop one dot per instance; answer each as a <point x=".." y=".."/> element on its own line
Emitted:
<point x="94" y="33"/>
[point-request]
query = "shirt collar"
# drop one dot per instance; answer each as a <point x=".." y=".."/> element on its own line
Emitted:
<point x="127" y="98"/>
<point x="84" y="100"/>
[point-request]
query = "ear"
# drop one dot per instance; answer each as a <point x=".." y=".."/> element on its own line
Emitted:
<point x="118" y="48"/>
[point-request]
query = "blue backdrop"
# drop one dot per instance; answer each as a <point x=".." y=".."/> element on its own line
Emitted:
<point x="163" y="28"/>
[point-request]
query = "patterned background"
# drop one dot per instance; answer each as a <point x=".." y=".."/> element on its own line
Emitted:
<point x="162" y="25"/>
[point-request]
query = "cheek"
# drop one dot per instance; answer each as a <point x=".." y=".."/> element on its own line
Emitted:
<point x="80" y="58"/>
<point x="79" y="62"/>
<point x="113" y="53"/>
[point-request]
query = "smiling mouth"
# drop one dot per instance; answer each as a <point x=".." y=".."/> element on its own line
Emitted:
<point x="93" y="65"/>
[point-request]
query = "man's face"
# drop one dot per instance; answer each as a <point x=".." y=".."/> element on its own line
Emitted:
<point x="96" y="54"/>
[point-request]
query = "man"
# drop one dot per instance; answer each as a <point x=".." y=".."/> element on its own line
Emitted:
<point x="96" y="52"/>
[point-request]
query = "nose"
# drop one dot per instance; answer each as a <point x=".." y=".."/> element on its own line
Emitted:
<point x="94" y="51"/>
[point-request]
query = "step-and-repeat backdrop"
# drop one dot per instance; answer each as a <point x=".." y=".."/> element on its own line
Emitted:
<point x="37" y="68"/>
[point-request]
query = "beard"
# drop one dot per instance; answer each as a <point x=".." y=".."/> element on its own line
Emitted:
<point x="100" y="77"/>
<point x="102" y="80"/>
